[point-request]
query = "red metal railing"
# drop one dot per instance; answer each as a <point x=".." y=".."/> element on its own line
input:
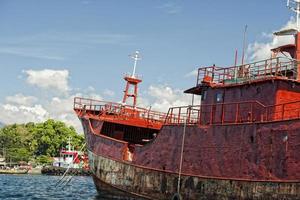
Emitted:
<point x="223" y="113"/>
<point x="285" y="111"/>
<point x="233" y="113"/>
<point x="97" y="107"/>
<point x="280" y="66"/>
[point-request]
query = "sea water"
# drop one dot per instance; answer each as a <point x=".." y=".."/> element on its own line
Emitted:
<point x="46" y="187"/>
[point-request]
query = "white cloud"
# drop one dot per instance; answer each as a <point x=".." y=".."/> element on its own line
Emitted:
<point x="32" y="52"/>
<point x="171" y="8"/>
<point x="261" y="50"/>
<point x="20" y="108"/>
<point x="49" y="79"/>
<point x="193" y="73"/>
<point x="108" y="92"/>
<point x="62" y="109"/>
<point x="21" y="99"/>
<point x="91" y="89"/>
<point x="162" y="97"/>
<point x="22" y="114"/>
<point x="57" y="108"/>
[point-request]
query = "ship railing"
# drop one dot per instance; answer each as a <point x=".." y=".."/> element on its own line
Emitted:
<point x="222" y="113"/>
<point x="232" y="113"/>
<point x="273" y="67"/>
<point x="136" y="76"/>
<point x="101" y="108"/>
<point x="284" y="111"/>
<point x="183" y="114"/>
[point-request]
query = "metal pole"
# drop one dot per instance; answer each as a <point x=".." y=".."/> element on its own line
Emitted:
<point x="298" y="13"/>
<point x="181" y="157"/>
<point x="295" y="7"/>
<point x="235" y="57"/>
<point x="244" y="44"/>
<point x="136" y="57"/>
<point x="134" y="67"/>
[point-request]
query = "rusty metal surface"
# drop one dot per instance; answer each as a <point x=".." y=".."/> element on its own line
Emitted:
<point x="267" y="151"/>
<point x="103" y="145"/>
<point x="110" y="192"/>
<point x="118" y="113"/>
<point x="158" y="185"/>
<point x="222" y="162"/>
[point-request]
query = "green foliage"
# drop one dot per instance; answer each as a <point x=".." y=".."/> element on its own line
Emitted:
<point x="19" y="154"/>
<point x="43" y="159"/>
<point x="24" y="142"/>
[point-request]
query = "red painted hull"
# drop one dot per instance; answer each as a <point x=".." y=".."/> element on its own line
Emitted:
<point x="236" y="158"/>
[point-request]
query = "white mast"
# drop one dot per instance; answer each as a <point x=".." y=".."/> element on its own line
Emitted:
<point x="136" y="57"/>
<point x="294" y="5"/>
<point x="69" y="146"/>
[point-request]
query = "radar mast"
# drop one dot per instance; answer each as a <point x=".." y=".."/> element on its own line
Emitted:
<point x="294" y="5"/>
<point x="132" y="81"/>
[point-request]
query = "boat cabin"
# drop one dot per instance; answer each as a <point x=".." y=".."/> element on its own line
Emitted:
<point x="255" y="92"/>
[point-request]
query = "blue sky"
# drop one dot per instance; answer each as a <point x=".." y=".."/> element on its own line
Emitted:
<point x="91" y="41"/>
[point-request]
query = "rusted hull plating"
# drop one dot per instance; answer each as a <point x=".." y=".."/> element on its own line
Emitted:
<point x="110" y="192"/>
<point x="139" y="183"/>
<point x="255" y="161"/>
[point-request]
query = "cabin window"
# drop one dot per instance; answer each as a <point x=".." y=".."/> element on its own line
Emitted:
<point x="258" y="90"/>
<point x="204" y="95"/>
<point x="219" y="97"/>
<point x="252" y="139"/>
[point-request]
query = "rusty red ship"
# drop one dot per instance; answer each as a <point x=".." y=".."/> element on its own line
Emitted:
<point x="241" y="142"/>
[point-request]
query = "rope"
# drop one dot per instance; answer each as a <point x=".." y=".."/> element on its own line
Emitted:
<point x="181" y="157"/>
<point x="63" y="176"/>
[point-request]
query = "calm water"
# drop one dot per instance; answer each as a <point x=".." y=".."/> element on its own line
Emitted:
<point x="43" y="187"/>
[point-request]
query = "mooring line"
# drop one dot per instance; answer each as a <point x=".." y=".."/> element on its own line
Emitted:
<point x="181" y="157"/>
<point x="63" y="176"/>
<point x="67" y="182"/>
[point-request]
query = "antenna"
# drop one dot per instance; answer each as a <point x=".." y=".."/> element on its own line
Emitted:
<point x="132" y="81"/>
<point x="294" y="5"/>
<point x="244" y="43"/>
<point x="136" y="57"/>
<point x="69" y="146"/>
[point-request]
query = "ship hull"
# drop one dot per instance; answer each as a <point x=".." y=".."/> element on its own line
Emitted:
<point x="144" y="178"/>
<point x="126" y="181"/>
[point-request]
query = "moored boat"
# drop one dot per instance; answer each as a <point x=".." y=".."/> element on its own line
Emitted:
<point x="241" y="142"/>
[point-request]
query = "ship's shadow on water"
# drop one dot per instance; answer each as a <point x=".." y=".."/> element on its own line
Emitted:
<point x="106" y="196"/>
<point x="103" y="195"/>
<point x="45" y="187"/>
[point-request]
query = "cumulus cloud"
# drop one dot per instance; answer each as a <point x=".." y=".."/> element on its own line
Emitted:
<point x="61" y="108"/>
<point x="108" y="92"/>
<point x="261" y="50"/>
<point x="162" y="97"/>
<point x="21" y="99"/>
<point x="20" y="108"/>
<point x="22" y="114"/>
<point x="48" y="79"/>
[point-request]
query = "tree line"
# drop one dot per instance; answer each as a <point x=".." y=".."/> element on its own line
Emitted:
<point x="37" y="142"/>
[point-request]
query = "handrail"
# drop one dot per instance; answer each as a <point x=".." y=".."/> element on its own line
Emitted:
<point x="101" y="108"/>
<point x="279" y="66"/>
<point x="233" y="113"/>
<point x="205" y="114"/>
